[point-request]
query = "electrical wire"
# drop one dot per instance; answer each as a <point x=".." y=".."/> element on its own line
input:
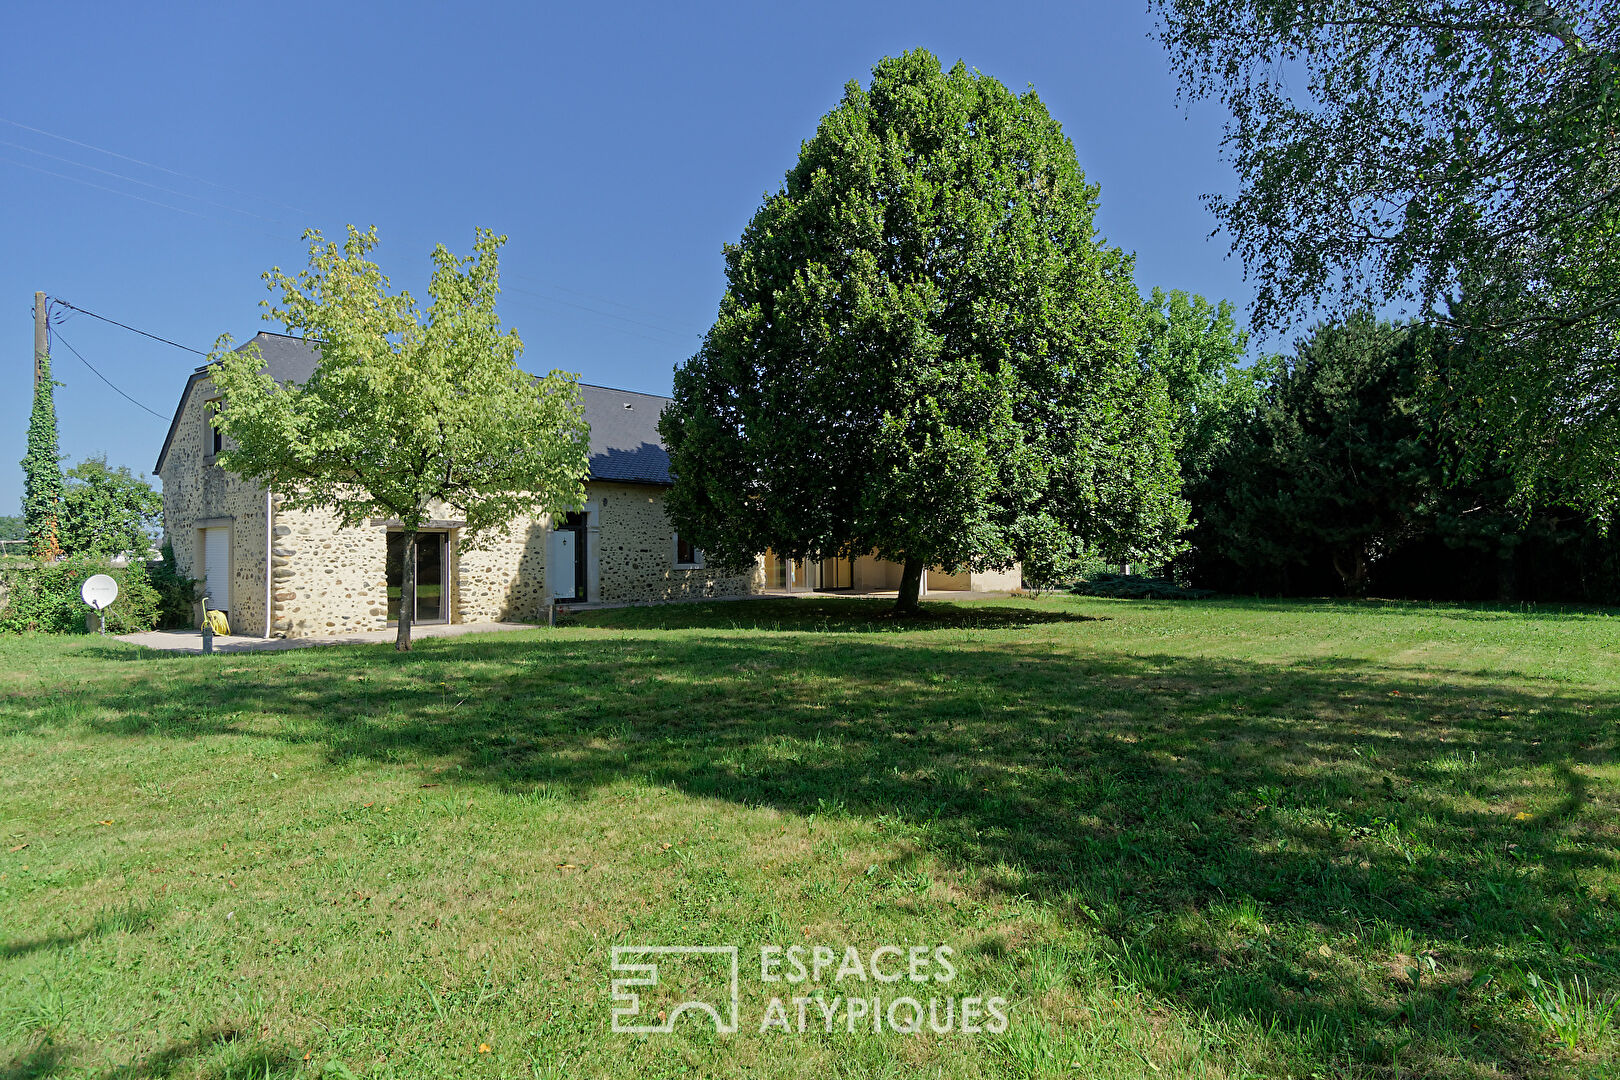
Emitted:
<point x="147" y="164"/>
<point x="103" y="378"/>
<point x="133" y="180"/>
<point x="73" y="307"/>
<point x="102" y="187"/>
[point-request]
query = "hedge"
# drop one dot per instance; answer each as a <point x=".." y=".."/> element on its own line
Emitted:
<point x="45" y="598"/>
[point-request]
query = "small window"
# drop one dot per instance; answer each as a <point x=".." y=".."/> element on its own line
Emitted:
<point x="685" y="553"/>
<point x="216" y="436"/>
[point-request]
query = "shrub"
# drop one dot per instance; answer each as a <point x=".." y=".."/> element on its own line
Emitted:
<point x="45" y="598"/>
<point x="1136" y="587"/>
<point x="177" y="594"/>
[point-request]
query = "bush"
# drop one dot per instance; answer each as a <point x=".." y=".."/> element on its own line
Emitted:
<point x="45" y="598"/>
<point x="177" y="594"/>
<point x="1136" y="587"/>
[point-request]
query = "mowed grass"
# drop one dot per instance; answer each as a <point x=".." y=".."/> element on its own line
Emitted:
<point x="1218" y="839"/>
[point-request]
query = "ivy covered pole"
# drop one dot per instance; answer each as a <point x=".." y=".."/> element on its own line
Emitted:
<point x="42" y="468"/>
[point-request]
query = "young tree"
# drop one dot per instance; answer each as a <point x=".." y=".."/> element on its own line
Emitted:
<point x="106" y="511"/>
<point x="1197" y="346"/>
<point x="925" y="352"/>
<point x="1396" y="151"/>
<point x="407" y="411"/>
<point x="42" y="471"/>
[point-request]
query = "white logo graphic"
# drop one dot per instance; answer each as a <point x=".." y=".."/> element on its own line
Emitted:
<point x="646" y="974"/>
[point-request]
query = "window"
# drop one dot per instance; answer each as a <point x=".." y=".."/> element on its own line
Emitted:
<point x="217" y="436"/>
<point x="686" y="556"/>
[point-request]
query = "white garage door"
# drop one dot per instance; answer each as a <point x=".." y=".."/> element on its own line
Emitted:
<point x="217" y="568"/>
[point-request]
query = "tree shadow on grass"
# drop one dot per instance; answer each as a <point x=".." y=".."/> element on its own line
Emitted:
<point x="1482" y="611"/>
<point x="250" y="1059"/>
<point x="827" y="614"/>
<point x="128" y="917"/>
<point x="34" y="1064"/>
<point x="1214" y="820"/>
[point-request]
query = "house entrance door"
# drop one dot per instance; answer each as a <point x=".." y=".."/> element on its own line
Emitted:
<point x="566" y="560"/>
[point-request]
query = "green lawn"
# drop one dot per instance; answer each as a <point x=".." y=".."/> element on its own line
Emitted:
<point x="1223" y="838"/>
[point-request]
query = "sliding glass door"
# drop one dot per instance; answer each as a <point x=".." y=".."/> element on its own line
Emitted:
<point x="432" y="593"/>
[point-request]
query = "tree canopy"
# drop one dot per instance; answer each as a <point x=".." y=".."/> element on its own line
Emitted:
<point x="108" y="511"/>
<point x="1339" y="457"/>
<point x="1338" y="480"/>
<point x="1196" y="347"/>
<point x="408" y="411"/>
<point x="1458" y="159"/>
<point x="926" y="352"/>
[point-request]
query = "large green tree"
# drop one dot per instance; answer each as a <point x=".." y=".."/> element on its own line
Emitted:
<point x="925" y="351"/>
<point x="408" y="412"/>
<point x="42" y="470"/>
<point x="1416" y="152"/>
<point x="1339" y="464"/>
<point x="108" y="511"/>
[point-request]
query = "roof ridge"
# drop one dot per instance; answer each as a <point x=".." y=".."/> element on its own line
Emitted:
<point x="623" y="390"/>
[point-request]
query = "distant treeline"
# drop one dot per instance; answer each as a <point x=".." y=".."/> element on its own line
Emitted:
<point x="1347" y="468"/>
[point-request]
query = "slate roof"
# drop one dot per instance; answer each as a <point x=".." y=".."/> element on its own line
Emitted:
<point x="624" y="435"/>
<point x="624" y="424"/>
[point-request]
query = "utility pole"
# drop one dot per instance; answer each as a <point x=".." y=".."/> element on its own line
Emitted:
<point x="42" y="346"/>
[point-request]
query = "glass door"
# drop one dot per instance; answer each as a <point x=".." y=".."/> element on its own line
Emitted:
<point x="430" y="578"/>
<point x="431" y="592"/>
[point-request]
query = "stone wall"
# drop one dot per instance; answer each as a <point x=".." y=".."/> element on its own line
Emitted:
<point x="504" y="579"/>
<point x="327" y="579"/>
<point x="197" y="492"/>
<point x="636" y="551"/>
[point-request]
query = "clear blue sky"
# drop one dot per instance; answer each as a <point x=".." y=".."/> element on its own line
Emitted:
<point x="618" y="147"/>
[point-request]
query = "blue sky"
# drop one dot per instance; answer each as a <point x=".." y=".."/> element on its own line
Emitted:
<point x="618" y="146"/>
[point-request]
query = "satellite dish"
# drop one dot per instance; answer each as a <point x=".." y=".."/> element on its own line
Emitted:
<point x="99" y="591"/>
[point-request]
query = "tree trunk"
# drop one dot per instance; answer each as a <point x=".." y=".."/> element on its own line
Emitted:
<point x="1507" y="577"/>
<point x="1352" y="572"/>
<point x="407" y="594"/>
<point x="910" y="586"/>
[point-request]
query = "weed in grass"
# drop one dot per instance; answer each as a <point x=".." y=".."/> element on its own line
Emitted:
<point x="1050" y="969"/>
<point x="1570" y="1010"/>
<point x="129" y="917"/>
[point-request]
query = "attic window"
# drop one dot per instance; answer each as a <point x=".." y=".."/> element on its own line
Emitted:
<point x="629" y="405"/>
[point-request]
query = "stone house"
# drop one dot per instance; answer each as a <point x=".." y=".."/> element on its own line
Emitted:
<point x="276" y="571"/>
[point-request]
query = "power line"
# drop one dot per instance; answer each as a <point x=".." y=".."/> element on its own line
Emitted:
<point x="605" y="314"/>
<point x="133" y="180"/>
<point x="147" y="164"/>
<point x="72" y="307"/>
<point x="104" y="378"/>
<point x="101" y="187"/>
